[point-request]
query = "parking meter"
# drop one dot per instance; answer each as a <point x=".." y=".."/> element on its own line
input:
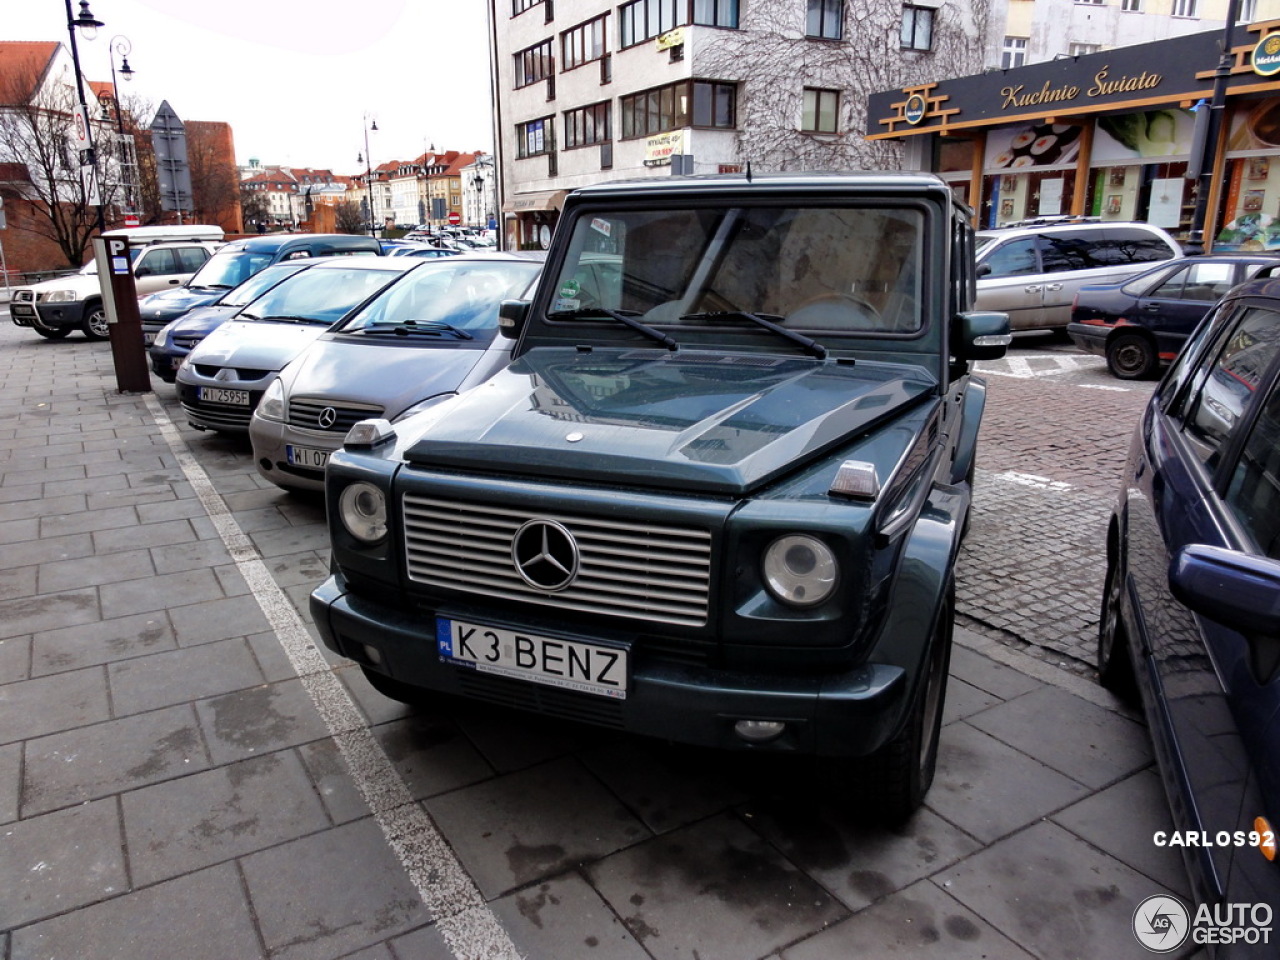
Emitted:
<point x="120" y="301"/>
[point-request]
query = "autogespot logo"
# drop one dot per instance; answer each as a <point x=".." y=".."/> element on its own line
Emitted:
<point x="1161" y="923"/>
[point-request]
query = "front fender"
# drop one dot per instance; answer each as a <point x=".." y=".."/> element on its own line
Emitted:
<point x="975" y="402"/>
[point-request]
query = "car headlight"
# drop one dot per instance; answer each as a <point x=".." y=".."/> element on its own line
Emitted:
<point x="800" y="570"/>
<point x="271" y="406"/>
<point x="61" y="296"/>
<point x="363" y="510"/>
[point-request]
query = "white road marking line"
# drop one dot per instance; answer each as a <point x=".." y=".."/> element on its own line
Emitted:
<point x="1031" y="480"/>
<point x="468" y="926"/>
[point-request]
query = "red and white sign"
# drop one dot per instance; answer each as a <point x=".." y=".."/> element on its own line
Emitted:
<point x="130" y="219"/>
<point x="455" y="219"/>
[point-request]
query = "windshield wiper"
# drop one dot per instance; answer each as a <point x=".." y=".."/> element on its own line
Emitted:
<point x="624" y="317"/>
<point x="406" y="328"/>
<point x="767" y="320"/>
<point x="284" y="318"/>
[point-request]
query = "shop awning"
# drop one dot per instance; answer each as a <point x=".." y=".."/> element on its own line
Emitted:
<point x="536" y="200"/>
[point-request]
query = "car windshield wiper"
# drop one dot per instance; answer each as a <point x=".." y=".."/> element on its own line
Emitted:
<point x="408" y="328"/>
<point x="286" y="318"/>
<point x="624" y="317"/>
<point x="767" y="320"/>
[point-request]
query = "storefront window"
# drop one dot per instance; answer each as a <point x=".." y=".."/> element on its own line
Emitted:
<point x="1250" y="218"/>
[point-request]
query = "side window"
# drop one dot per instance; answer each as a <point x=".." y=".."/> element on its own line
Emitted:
<point x="1229" y="382"/>
<point x="1130" y="245"/>
<point x="1072" y="251"/>
<point x="1171" y="289"/>
<point x="190" y="259"/>
<point x="155" y="263"/>
<point x="1208" y="281"/>
<point x="1184" y="366"/>
<point x="1015" y="258"/>
<point x="1254" y="493"/>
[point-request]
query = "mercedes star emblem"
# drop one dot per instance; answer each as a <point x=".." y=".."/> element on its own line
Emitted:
<point x="328" y="417"/>
<point x="545" y="555"/>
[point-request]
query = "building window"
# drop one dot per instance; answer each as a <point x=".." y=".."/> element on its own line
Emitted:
<point x="1248" y="11"/>
<point x="1014" y="52"/>
<point x="821" y="110"/>
<point x="520" y="6"/>
<point x="1082" y="49"/>
<point x="824" y="19"/>
<point x="643" y="20"/>
<point x="583" y="43"/>
<point x="587" y="125"/>
<point x="535" y="137"/>
<point x="716" y="13"/>
<point x="699" y="103"/>
<point x="1131" y="6"/>
<point x="1184" y="8"/>
<point x="917" y="28"/>
<point x="1096" y="3"/>
<point x="533" y="64"/>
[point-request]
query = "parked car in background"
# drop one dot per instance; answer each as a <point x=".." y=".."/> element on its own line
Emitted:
<point x="239" y="260"/>
<point x="162" y="257"/>
<point x="178" y="337"/>
<point x="428" y="336"/>
<point x="222" y="379"/>
<point x="1190" y="617"/>
<point x="1031" y="270"/>
<point x="1140" y="324"/>
<point x="414" y="249"/>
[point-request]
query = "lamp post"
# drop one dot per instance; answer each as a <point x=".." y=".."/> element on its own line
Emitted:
<point x="121" y="45"/>
<point x="88" y="24"/>
<point x="368" y="171"/>
<point x="1203" y="165"/>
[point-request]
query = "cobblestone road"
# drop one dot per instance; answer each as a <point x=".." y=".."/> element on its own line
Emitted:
<point x="1050" y="456"/>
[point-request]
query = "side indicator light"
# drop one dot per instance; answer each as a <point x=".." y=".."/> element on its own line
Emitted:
<point x="1266" y="837"/>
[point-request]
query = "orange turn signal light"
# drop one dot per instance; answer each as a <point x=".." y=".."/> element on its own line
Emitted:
<point x="1266" y="837"/>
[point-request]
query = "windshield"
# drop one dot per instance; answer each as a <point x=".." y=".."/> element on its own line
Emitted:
<point x="261" y="282"/>
<point x="452" y="294"/>
<point x="838" y="270"/>
<point x="317" y="295"/>
<point x="230" y="268"/>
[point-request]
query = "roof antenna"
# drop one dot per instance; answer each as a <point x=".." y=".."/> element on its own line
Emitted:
<point x="748" y="171"/>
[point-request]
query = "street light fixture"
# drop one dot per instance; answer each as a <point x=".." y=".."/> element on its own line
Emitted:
<point x="368" y="171"/>
<point x="88" y="25"/>
<point x="121" y="45"/>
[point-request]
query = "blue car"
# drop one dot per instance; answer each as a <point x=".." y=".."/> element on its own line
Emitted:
<point x="1190" y="618"/>
<point x="177" y="338"/>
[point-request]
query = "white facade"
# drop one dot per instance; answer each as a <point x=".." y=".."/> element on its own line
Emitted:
<point x="769" y="62"/>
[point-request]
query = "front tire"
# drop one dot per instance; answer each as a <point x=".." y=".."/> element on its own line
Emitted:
<point x="95" y="324"/>
<point x="1115" y="664"/>
<point x="893" y="781"/>
<point x="1131" y="356"/>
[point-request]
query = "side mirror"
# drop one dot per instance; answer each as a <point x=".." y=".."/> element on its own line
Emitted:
<point x="980" y="335"/>
<point x="511" y="317"/>
<point x="984" y="270"/>
<point x="1238" y="591"/>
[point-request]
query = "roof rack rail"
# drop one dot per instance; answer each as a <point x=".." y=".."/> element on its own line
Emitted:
<point x="1048" y="221"/>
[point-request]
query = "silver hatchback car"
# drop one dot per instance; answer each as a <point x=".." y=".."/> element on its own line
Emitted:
<point x="431" y="335"/>
<point x="1032" y="270"/>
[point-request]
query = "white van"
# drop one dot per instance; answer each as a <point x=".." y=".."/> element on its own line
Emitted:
<point x="163" y="257"/>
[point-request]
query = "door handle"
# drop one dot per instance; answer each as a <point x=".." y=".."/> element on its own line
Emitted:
<point x="1053" y="287"/>
<point x="1033" y="288"/>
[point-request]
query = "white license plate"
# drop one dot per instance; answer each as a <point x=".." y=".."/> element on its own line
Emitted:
<point x="221" y="395"/>
<point x="586" y="667"/>
<point x="306" y="456"/>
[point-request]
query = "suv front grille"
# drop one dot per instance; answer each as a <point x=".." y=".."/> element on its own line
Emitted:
<point x="634" y="570"/>
<point x="305" y="412"/>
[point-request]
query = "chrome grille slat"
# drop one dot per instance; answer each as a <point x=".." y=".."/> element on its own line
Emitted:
<point x="640" y="571"/>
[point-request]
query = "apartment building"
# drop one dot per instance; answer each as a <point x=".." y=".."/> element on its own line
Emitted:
<point x="590" y="90"/>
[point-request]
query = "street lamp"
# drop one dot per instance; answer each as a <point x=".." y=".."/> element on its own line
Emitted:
<point x="88" y="25"/>
<point x="120" y="45"/>
<point x="368" y="171"/>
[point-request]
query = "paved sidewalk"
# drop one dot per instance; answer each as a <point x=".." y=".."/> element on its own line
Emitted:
<point x="183" y="774"/>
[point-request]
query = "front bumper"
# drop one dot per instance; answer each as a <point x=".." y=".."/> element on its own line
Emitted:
<point x="1089" y="337"/>
<point x="847" y="714"/>
<point x="165" y="363"/>
<point x="272" y="441"/>
<point x="51" y="316"/>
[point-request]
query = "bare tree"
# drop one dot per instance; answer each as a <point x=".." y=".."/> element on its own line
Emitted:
<point x="253" y="206"/>
<point x="348" y="218"/>
<point x="36" y="132"/>
<point x="215" y="183"/>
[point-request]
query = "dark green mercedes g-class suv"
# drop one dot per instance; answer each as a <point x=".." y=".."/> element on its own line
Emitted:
<point x="717" y="496"/>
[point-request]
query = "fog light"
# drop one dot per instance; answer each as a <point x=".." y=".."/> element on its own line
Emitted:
<point x="372" y="654"/>
<point x="759" y="731"/>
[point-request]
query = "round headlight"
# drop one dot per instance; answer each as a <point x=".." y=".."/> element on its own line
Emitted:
<point x="363" y="510"/>
<point x="800" y="570"/>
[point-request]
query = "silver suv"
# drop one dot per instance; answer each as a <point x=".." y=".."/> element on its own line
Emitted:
<point x="1033" y="269"/>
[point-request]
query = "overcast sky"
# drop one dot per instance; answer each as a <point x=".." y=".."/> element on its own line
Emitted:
<point x="295" y="80"/>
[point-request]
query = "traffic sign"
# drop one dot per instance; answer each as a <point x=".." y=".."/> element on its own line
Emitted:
<point x="455" y="219"/>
